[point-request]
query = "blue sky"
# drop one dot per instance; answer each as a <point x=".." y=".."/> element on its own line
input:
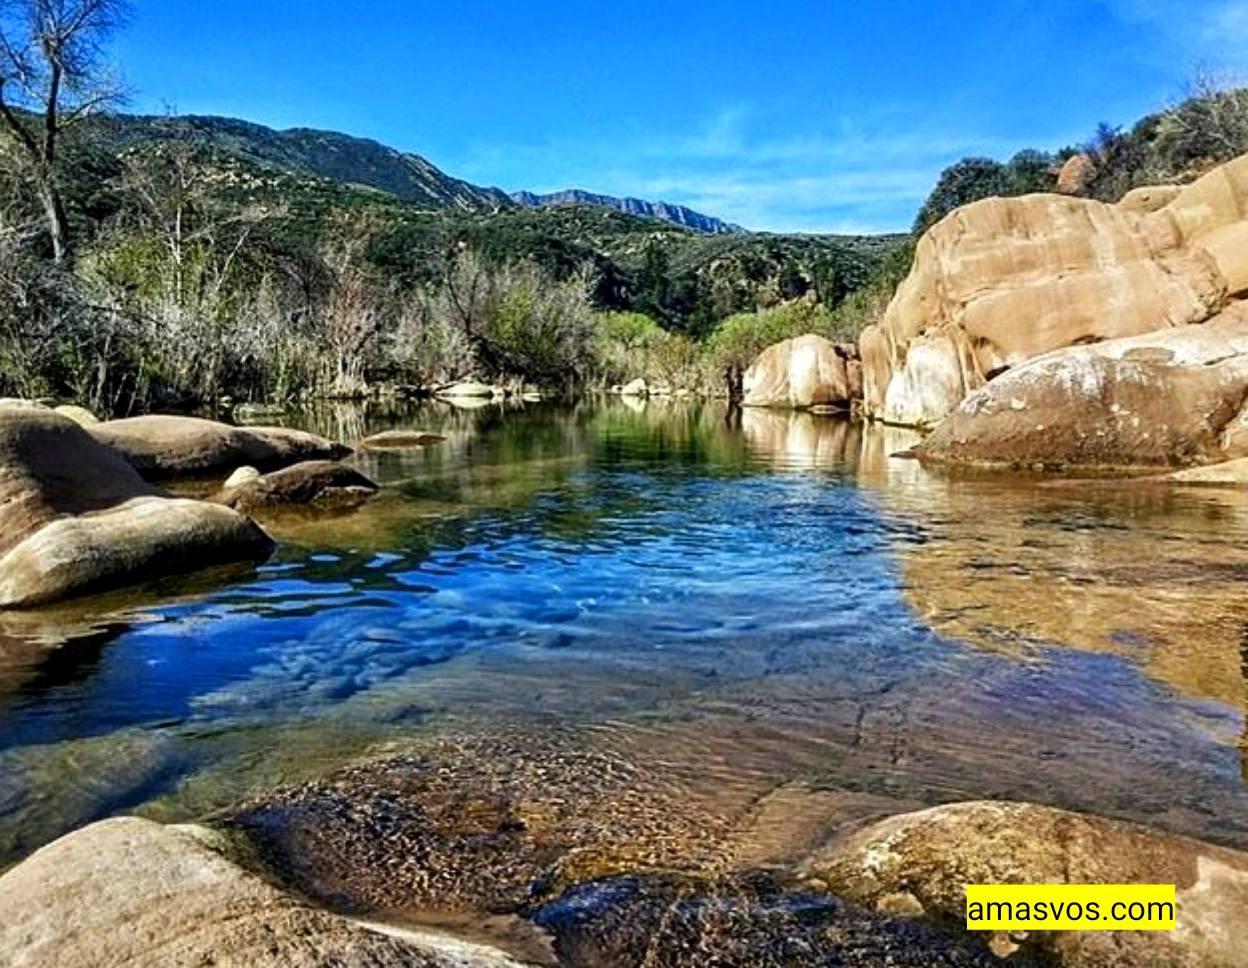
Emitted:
<point x="784" y="115"/>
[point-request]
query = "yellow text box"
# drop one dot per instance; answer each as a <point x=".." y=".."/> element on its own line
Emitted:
<point x="1070" y="907"/>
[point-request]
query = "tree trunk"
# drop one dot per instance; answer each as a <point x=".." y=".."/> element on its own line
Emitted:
<point x="58" y="224"/>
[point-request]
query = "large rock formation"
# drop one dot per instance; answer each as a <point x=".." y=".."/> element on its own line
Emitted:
<point x="75" y="517"/>
<point x="131" y="892"/>
<point x="1171" y="398"/>
<point x="804" y="372"/>
<point x="1001" y="281"/>
<point x="163" y="447"/>
<point x="923" y="861"/>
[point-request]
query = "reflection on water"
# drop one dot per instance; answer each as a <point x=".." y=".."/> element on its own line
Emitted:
<point x="747" y="606"/>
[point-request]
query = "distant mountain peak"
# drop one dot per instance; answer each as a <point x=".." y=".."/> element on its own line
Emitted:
<point x="664" y="211"/>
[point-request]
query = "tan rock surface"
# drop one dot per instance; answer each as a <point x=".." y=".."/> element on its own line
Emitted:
<point x="75" y="517"/>
<point x="1170" y="398"/>
<point x="933" y="854"/>
<point x="162" y="447"/>
<point x="131" y="892"/>
<point x="51" y="467"/>
<point x="1001" y="281"/>
<point x="141" y="539"/>
<point x="800" y="373"/>
<point x="79" y="415"/>
<point x="1228" y="472"/>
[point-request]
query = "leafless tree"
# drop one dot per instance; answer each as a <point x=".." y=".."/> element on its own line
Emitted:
<point x="52" y="75"/>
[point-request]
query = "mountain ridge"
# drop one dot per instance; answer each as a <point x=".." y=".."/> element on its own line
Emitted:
<point x="368" y="163"/>
<point x="340" y="157"/>
<point x="662" y="211"/>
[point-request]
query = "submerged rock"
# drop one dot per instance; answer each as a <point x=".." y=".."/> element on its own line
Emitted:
<point x="930" y="856"/>
<point x="164" y="447"/>
<point x="801" y="373"/>
<point x="314" y="485"/>
<point x="76" y="518"/>
<point x="1171" y="398"/>
<point x="1002" y="281"/>
<point x="401" y="440"/>
<point x="750" y="919"/>
<point x="131" y="892"/>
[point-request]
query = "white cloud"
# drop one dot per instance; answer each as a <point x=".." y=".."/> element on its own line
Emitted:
<point x="859" y="176"/>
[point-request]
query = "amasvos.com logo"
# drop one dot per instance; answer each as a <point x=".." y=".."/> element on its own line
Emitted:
<point x="1070" y="907"/>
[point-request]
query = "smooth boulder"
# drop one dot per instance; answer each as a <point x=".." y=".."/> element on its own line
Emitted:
<point x="133" y="892"/>
<point x="163" y="447"/>
<point x="1173" y="398"/>
<point x="310" y="485"/>
<point x="50" y="467"/>
<point x="922" y="862"/>
<point x="141" y="539"/>
<point x="1002" y="281"/>
<point x="75" y="517"/>
<point x="803" y="372"/>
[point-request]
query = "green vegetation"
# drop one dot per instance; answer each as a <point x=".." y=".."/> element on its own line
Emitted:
<point x="197" y="271"/>
<point x="972" y="179"/>
<point x="1173" y="146"/>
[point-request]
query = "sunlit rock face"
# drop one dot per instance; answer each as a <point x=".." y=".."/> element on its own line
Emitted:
<point x="804" y="372"/>
<point x="1174" y="397"/>
<point x="1001" y="281"/>
<point x="76" y="518"/>
<point x="138" y="893"/>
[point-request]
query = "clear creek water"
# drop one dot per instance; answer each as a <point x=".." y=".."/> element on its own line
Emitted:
<point x="748" y="606"/>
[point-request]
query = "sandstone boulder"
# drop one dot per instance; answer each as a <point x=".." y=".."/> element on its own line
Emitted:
<point x="1075" y="174"/>
<point x="132" y="892"/>
<point x="50" y="468"/>
<point x="1001" y="281"/>
<point x="144" y="538"/>
<point x="165" y="447"/>
<point x="924" y="860"/>
<point x="801" y="373"/>
<point x="400" y="440"/>
<point x="1171" y="398"/>
<point x="311" y="485"/>
<point x="635" y="388"/>
<point x="75" y="517"/>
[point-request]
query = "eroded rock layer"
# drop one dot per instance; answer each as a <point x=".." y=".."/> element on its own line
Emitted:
<point x="1002" y="281"/>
